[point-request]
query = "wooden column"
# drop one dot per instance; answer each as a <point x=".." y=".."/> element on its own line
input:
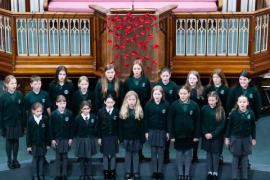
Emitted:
<point x="27" y="5"/>
<point x="5" y="4"/>
<point x="251" y="42"/>
<point x="13" y="41"/>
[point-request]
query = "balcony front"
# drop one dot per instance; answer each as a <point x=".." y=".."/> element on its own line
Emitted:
<point x="36" y="43"/>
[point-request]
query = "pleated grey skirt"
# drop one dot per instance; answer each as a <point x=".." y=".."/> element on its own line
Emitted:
<point x="109" y="145"/>
<point x="157" y="138"/>
<point x="13" y="132"/>
<point x="85" y="147"/>
<point x="212" y="145"/>
<point x="39" y="150"/>
<point x="240" y="146"/>
<point x="62" y="146"/>
<point x="132" y="145"/>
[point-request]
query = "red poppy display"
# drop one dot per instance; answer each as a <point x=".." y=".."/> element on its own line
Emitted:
<point x="132" y="37"/>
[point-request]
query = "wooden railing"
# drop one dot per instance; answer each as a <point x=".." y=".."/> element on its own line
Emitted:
<point x="204" y="41"/>
<point x="43" y="41"/>
<point x="38" y="42"/>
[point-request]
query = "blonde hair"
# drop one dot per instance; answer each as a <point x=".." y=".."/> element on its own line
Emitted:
<point x="160" y="89"/>
<point x="8" y="78"/>
<point x="124" y="108"/>
<point x="104" y="81"/>
<point x="82" y="78"/>
<point x="219" y="109"/>
<point x="199" y="87"/>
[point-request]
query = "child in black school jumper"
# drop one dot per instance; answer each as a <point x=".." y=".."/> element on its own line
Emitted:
<point x="194" y="83"/>
<point x="241" y="136"/>
<point x="61" y="85"/>
<point x="138" y="82"/>
<point x="37" y="139"/>
<point x="12" y="119"/>
<point x="108" y="119"/>
<point x="108" y="84"/>
<point x="37" y="95"/>
<point x="212" y="124"/>
<point x="170" y="89"/>
<point x="82" y="94"/>
<point x="245" y="87"/>
<point x="131" y="132"/>
<point x="61" y="135"/>
<point x="184" y="129"/>
<point x="155" y="118"/>
<point x="85" y="131"/>
<point x="219" y="84"/>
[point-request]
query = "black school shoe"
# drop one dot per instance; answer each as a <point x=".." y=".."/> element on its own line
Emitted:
<point x="160" y="176"/>
<point x="195" y="159"/>
<point x="137" y="176"/>
<point x="127" y="176"/>
<point x="16" y="164"/>
<point x="82" y="178"/>
<point x="112" y="174"/>
<point x="181" y="177"/>
<point x="214" y="177"/>
<point x="154" y="175"/>
<point x="10" y="165"/>
<point x="35" y="178"/>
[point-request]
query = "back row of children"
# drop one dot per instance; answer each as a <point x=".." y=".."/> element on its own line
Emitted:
<point x="123" y="114"/>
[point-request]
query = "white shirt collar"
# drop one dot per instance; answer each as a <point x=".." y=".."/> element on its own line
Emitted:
<point x="109" y="110"/>
<point x="84" y="117"/>
<point x="37" y="119"/>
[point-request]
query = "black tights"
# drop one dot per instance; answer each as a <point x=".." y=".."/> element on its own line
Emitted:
<point x="12" y="147"/>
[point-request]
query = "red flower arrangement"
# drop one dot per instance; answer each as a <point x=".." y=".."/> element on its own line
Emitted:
<point x="132" y="38"/>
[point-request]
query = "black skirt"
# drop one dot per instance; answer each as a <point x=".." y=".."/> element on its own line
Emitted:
<point x="183" y="143"/>
<point x="132" y="145"/>
<point x="85" y="147"/>
<point x="39" y="150"/>
<point x="212" y="145"/>
<point x="240" y="146"/>
<point x="13" y="132"/>
<point x="109" y="145"/>
<point x="62" y="146"/>
<point x="157" y="138"/>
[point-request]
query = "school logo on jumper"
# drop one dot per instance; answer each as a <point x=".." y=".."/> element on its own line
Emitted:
<point x="43" y="100"/>
<point x="19" y="101"/>
<point x="191" y="112"/>
<point x="248" y="116"/>
<point x="251" y="96"/>
<point x="66" y="119"/>
<point x="43" y="125"/>
<point x="222" y="91"/>
<point x="171" y="91"/>
<point x="66" y="92"/>
<point x="163" y="111"/>
<point x="92" y="120"/>
<point x="114" y="117"/>
<point x="143" y="84"/>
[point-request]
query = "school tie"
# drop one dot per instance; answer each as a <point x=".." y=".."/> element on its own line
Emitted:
<point x="87" y="120"/>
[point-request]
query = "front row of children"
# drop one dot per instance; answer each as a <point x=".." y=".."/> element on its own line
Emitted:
<point x="130" y="126"/>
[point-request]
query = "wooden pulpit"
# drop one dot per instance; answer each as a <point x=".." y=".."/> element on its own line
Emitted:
<point x="130" y="34"/>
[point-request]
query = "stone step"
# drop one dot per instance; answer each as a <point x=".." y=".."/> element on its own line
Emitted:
<point x="199" y="171"/>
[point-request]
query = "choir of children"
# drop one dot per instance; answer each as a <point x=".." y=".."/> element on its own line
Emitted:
<point x="130" y="114"/>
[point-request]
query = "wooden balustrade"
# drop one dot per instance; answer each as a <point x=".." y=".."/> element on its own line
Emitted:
<point x="232" y="41"/>
<point x="37" y="43"/>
